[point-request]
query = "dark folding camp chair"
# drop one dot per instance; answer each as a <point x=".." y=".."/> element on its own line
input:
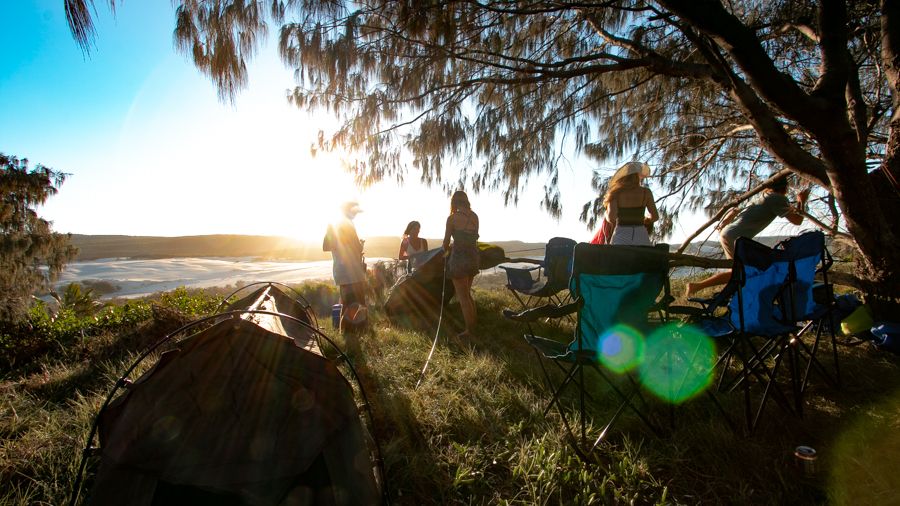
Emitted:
<point x="809" y="303"/>
<point x="753" y="331"/>
<point x="614" y="288"/>
<point x="552" y="275"/>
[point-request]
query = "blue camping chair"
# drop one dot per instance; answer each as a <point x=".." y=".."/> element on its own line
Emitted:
<point x="552" y="275"/>
<point x="754" y="332"/>
<point x="614" y="288"/>
<point x="805" y="307"/>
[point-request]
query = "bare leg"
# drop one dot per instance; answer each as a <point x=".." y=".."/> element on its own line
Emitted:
<point x="463" y="287"/>
<point x="720" y="278"/>
<point x="474" y="322"/>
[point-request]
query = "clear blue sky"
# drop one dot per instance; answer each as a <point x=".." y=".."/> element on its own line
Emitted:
<point x="151" y="150"/>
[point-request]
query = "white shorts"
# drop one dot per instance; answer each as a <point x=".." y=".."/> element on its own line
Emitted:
<point x="630" y="235"/>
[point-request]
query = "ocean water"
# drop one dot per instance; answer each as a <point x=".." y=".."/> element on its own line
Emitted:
<point x="137" y="278"/>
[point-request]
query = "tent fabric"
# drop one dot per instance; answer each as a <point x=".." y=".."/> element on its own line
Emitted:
<point x="271" y="299"/>
<point x="417" y="295"/>
<point x="237" y="414"/>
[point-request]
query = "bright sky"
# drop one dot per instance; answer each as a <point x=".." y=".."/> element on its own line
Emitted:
<point x="151" y="150"/>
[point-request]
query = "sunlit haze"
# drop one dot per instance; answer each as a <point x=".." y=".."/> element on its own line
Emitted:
<point x="151" y="150"/>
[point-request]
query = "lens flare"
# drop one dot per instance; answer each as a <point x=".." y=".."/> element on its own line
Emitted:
<point x="678" y="363"/>
<point x="620" y="348"/>
<point x="866" y="455"/>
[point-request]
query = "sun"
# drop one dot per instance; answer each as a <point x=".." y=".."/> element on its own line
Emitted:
<point x="322" y="185"/>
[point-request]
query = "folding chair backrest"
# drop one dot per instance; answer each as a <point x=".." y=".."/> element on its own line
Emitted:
<point x="615" y="285"/>
<point x="762" y="276"/>
<point x="558" y="261"/>
<point x="806" y="252"/>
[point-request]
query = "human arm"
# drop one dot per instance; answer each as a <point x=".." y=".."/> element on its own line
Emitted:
<point x="795" y="215"/>
<point x="424" y="245"/>
<point x="729" y="217"/>
<point x="612" y="212"/>
<point x="448" y="230"/>
<point x="328" y="241"/>
<point x="651" y="207"/>
<point x="404" y="244"/>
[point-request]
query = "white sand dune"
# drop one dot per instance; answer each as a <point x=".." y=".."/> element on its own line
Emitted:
<point x="137" y="278"/>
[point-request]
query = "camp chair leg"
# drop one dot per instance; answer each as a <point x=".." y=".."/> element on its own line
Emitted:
<point x="635" y="391"/>
<point x="766" y="378"/>
<point x="771" y="385"/>
<point x="770" y="374"/>
<point x="759" y="356"/>
<point x="612" y="421"/>
<point x="726" y="357"/>
<point x="557" y="390"/>
<point x="518" y="297"/>
<point x="813" y="361"/>
<point x="794" y="344"/>
<point x="834" y="352"/>
<point x="756" y="366"/>
<point x="765" y="398"/>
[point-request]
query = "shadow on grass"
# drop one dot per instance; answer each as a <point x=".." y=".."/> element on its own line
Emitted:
<point x="700" y="458"/>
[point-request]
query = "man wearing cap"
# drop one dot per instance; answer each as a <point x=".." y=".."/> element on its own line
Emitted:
<point x="347" y="253"/>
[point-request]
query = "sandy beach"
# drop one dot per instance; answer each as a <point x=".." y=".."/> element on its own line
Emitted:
<point x="136" y="278"/>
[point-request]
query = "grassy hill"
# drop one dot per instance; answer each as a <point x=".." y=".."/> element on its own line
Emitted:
<point x="475" y="432"/>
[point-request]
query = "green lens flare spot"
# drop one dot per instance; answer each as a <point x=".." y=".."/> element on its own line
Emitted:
<point x="678" y="363"/>
<point x="620" y="348"/>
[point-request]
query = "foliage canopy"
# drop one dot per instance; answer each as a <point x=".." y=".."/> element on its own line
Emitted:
<point x="31" y="254"/>
<point x="717" y="95"/>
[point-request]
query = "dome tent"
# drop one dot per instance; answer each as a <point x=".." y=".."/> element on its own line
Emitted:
<point x="247" y="411"/>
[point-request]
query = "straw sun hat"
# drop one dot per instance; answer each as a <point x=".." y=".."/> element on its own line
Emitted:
<point x="631" y="168"/>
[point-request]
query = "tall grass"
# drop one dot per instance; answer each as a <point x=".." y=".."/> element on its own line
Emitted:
<point x="474" y="431"/>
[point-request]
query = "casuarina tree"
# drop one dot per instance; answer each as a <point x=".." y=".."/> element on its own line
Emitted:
<point x="31" y="254"/>
<point x="716" y="94"/>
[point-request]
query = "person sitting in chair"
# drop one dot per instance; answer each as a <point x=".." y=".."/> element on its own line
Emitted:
<point x="412" y="245"/>
<point x="762" y="211"/>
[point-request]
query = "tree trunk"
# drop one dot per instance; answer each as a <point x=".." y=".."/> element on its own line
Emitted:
<point x="877" y="238"/>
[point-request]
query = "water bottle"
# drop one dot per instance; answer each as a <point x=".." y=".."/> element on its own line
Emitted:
<point x="336" y="315"/>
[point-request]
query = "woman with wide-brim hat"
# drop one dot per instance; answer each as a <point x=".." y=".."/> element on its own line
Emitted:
<point x="630" y="206"/>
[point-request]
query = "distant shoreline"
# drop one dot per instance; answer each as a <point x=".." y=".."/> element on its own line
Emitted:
<point x="261" y="248"/>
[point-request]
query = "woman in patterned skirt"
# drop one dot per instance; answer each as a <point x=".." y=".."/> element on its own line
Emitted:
<point x="462" y="265"/>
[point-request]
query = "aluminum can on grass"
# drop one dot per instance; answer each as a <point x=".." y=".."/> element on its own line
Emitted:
<point x="806" y="460"/>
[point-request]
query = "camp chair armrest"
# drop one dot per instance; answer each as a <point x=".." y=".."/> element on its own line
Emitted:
<point x="523" y="269"/>
<point x="541" y="312"/>
<point x="687" y="310"/>
<point x="705" y="301"/>
<point x="662" y="304"/>
<point x="549" y="348"/>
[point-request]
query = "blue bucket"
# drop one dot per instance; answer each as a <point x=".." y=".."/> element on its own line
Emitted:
<point x="336" y="315"/>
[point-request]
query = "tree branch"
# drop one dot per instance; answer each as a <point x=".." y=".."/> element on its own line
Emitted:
<point x="731" y="203"/>
<point x="711" y="18"/>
